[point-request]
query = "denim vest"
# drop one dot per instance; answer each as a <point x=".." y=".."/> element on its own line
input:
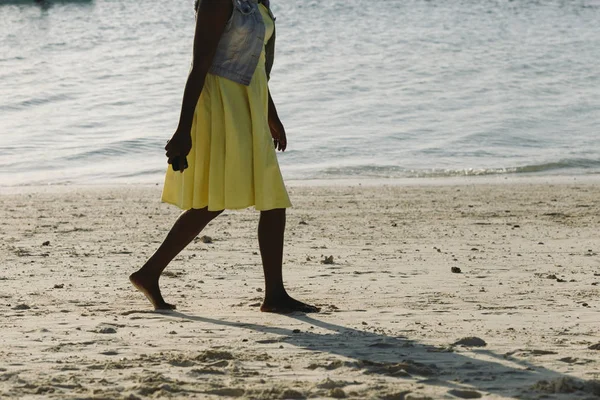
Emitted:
<point x="242" y="42"/>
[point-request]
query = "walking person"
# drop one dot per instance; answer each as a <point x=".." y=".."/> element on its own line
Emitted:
<point x="222" y="153"/>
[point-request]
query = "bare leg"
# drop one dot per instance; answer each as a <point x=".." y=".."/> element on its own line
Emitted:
<point x="189" y="224"/>
<point x="271" y="230"/>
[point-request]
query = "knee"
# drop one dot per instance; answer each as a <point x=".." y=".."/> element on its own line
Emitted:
<point x="274" y="211"/>
<point x="276" y="214"/>
<point x="215" y="214"/>
<point x="203" y="214"/>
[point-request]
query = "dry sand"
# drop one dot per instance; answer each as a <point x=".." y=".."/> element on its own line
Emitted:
<point x="73" y="327"/>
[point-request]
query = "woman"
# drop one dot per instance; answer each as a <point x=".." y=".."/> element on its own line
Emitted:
<point x="221" y="153"/>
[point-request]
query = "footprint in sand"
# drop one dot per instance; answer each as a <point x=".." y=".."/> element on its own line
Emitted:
<point x="465" y="394"/>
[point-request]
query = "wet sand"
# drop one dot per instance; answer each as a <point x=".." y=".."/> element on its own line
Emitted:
<point x="429" y="291"/>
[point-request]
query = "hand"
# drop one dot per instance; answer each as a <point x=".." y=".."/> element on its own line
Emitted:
<point x="278" y="134"/>
<point x="178" y="148"/>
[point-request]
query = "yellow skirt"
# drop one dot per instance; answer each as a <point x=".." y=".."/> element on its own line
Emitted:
<point x="232" y="164"/>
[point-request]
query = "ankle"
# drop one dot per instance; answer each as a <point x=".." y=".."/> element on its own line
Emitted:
<point x="146" y="274"/>
<point x="275" y="294"/>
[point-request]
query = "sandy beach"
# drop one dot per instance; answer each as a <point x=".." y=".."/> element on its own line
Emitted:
<point x="486" y="290"/>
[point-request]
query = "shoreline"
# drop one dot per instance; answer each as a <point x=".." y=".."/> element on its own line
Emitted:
<point x="588" y="179"/>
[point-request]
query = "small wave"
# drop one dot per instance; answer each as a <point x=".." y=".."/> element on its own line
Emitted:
<point x="577" y="164"/>
<point x="34" y="102"/>
<point x="392" y="171"/>
<point x="118" y="149"/>
<point x="40" y="3"/>
<point x="569" y="164"/>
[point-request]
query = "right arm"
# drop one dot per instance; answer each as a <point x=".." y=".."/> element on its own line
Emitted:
<point x="211" y="21"/>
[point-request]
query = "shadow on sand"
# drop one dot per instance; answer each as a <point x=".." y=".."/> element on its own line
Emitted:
<point x="412" y="362"/>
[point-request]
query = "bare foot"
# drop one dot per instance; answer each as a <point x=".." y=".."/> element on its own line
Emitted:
<point x="149" y="287"/>
<point x="285" y="305"/>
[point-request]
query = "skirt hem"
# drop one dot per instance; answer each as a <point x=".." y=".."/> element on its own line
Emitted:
<point x="242" y="207"/>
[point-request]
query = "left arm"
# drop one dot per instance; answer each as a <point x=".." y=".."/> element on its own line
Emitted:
<point x="276" y="127"/>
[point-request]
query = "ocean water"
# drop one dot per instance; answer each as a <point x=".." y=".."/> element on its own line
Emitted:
<point x="90" y="90"/>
